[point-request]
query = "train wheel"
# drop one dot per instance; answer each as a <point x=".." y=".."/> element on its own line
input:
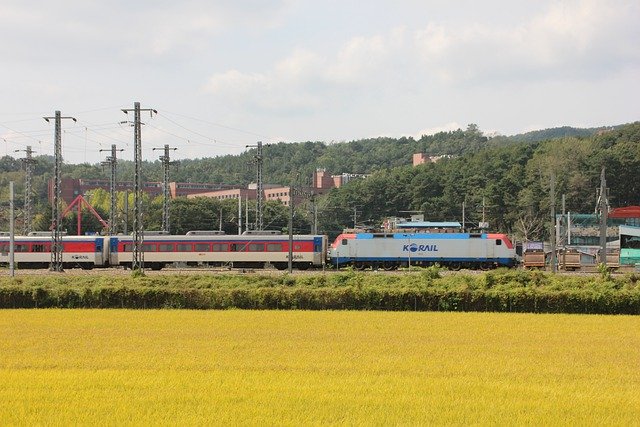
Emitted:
<point x="359" y="265"/>
<point x="280" y="265"/>
<point x="455" y="266"/>
<point x="484" y="266"/>
<point x="302" y="266"/>
<point x="389" y="266"/>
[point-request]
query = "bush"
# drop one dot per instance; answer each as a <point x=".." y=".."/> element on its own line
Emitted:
<point x="508" y="290"/>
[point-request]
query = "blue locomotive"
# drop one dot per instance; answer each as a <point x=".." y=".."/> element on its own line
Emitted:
<point x="392" y="250"/>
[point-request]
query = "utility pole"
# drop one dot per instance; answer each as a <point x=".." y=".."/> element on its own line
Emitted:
<point x="112" y="162"/>
<point x="246" y="214"/>
<point x="564" y="240"/>
<point x="314" y="207"/>
<point x="464" y="202"/>
<point x="239" y="214"/>
<point x="28" y="192"/>
<point x="56" y="232"/>
<point x="291" y="212"/>
<point x="12" y="231"/>
<point x="552" y="197"/>
<point x="138" y="227"/>
<point x="355" y="216"/>
<point x="484" y="223"/>
<point x="258" y="158"/>
<point x="126" y="211"/>
<point x="604" y="211"/>
<point x="166" y="163"/>
<point x="560" y="233"/>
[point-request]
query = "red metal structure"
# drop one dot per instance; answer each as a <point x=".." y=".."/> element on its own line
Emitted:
<point x="80" y="201"/>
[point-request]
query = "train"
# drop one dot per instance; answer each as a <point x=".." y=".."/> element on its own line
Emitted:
<point x="452" y="250"/>
<point x="360" y="251"/>
<point x="191" y="249"/>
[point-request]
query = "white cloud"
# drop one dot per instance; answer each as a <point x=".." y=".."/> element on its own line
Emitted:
<point x="432" y="41"/>
<point x="363" y="55"/>
<point x="306" y="79"/>
<point x="127" y="31"/>
<point x="235" y="82"/>
<point x="301" y="66"/>
<point x="568" y="40"/>
<point x="574" y="39"/>
<point x="324" y="70"/>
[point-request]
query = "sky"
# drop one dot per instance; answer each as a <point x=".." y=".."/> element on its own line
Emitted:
<point x="226" y="74"/>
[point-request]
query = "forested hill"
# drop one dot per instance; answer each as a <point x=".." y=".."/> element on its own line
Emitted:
<point x="512" y="175"/>
<point x="362" y="156"/>
<point x="513" y="180"/>
<point x="553" y="133"/>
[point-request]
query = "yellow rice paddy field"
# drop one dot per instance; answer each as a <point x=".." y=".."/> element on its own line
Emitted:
<point x="299" y="367"/>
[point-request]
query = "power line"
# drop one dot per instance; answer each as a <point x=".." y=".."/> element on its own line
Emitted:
<point x="20" y="133"/>
<point x="185" y="128"/>
<point x="217" y="124"/>
<point x="116" y="126"/>
<point x="189" y="141"/>
<point x="99" y="109"/>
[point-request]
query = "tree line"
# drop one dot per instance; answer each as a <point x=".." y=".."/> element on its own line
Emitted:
<point x="507" y="177"/>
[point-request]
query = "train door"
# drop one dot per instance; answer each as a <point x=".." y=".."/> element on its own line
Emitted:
<point x="98" y="256"/>
<point x="318" y="250"/>
<point x="113" y="251"/>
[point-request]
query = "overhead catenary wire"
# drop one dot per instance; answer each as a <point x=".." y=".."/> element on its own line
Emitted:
<point x="217" y="124"/>
<point x="104" y="130"/>
<point x="216" y="142"/>
<point x="24" y="134"/>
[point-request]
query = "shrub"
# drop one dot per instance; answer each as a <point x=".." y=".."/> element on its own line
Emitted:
<point x="427" y="290"/>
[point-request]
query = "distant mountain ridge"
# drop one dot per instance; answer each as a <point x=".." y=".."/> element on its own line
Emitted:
<point x="556" y="132"/>
<point x="507" y="175"/>
<point x="361" y="156"/>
